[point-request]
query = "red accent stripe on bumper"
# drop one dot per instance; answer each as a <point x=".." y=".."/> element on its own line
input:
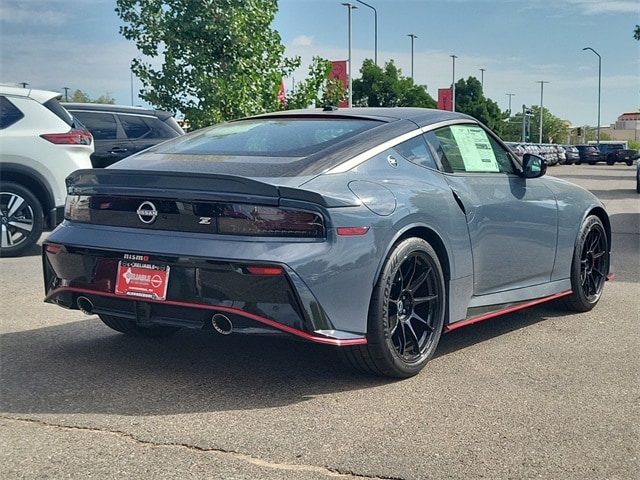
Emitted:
<point x="285" y="328"/>
<point x="480" y="318"/>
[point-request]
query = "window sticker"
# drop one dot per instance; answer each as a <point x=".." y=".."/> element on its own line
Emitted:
<point x="475" y="148"/>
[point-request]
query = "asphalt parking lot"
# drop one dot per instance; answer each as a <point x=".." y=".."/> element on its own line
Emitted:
<point x="534" y="394"/>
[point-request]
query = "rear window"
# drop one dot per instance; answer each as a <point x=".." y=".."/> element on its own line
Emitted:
<point x="287" y="137"/>
<point x="59" y="111"/>
<point x="145" y="127"/>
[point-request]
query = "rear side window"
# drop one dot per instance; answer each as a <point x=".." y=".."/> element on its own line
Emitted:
<point x="145" y="127"/>
<point x="9" y="113"/>
<point x="101" y="125"/>
<point x="416" y="151"/>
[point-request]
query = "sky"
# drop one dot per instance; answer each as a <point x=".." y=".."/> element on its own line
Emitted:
<point x="52" y="44"/>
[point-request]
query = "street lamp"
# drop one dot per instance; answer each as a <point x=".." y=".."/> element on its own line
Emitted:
<point x="375" y="35"/>
<point x="541" y="82"/>
<point x="413" y="37"/>
<point x="350" y="6"/>
<point x="482" y="70"/>
<point x="599" y="88"/>
<point x="510" y="95"/>
<point x="453" y="84"/>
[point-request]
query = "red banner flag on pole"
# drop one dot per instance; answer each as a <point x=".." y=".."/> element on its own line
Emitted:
<point x="282" y="96"/>
<point x="339" y="72"/>
<point x="444" y="99"/>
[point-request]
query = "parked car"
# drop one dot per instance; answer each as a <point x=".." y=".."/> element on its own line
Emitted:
<point x="572" y="155"/>
<point x="516" y="148"/>
<point x="40" y="144"/>
<point x="370" y="229"/>
<point x="120" y="131"/>
<point x="615" y="152"/>
<point x="588" y="154"/>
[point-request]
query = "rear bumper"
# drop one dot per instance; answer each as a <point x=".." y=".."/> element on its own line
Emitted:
<point x="197" y="289"/>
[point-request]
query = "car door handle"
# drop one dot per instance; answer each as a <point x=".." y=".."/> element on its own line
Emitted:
<point x="118" y="150"/>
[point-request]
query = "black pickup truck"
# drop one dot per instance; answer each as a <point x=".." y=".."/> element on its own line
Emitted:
<point x="615" y="152"/>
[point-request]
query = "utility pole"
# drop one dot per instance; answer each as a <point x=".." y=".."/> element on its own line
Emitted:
<point x="413" y="37"/>
<point x="66" y="93"/>
<point x="510" y="95"/>
<point x="541" y="82"/>
<point x="453" y="84"/>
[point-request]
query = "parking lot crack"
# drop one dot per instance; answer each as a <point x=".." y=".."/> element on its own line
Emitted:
<point x="328" y="471"/>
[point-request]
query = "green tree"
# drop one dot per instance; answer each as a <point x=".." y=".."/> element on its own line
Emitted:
<point x="316" y="89"/>
<point x="220" y="59"/>
<point x="79" y="97"/>
<point x="554" y="129"/>
<point x="636" y="32"/>
<point x="471" y="100"/>
<point x="387" y="87"/>
<point x="106" y="98"/>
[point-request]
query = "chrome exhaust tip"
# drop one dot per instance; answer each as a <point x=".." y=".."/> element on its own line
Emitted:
<point x="222" y="324"/>
<point x="85" y="305"/>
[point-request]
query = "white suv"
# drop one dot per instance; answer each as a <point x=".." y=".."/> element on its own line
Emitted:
<point x="40" y="145"/>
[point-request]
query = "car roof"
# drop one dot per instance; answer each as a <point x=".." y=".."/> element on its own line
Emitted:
<point x="419" y="116"/>
<point x="107" y="107"/>
<point x="386" y="125"/>
<point x="41" y="96"/>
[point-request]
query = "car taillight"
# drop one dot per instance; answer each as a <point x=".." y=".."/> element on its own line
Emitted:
<point x="75" y="136"/>
<point x="243" y="219"/>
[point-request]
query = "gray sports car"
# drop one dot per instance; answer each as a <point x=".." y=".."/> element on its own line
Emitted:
<point x="373" y="230"/>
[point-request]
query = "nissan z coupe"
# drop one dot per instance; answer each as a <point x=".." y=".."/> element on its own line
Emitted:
<point x="373" y="230"/>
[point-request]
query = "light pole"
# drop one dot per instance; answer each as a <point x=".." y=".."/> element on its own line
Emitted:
<point x="541" y="82"/>
<point x="131" y="72"/>
<point x="350" y="6"/>
<point x="66" y="93"/>
<point x="453" y="84"/>
<point x="599" y="88"/>
<point x="482" y="70"/>
<point x="375" y="34"/>
<point x="510" y="95"/>
<point x="413" y="37"/>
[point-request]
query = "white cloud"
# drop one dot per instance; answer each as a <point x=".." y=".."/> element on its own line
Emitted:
<point x="303" y="41"/>
<point x="595" y="7"/>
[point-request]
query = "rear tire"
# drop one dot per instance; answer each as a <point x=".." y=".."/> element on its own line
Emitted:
<point x="21" y="219"/>
<point x="129" y="327"/>
<point x="590" y="266"/>
<point x="406" y="313"/>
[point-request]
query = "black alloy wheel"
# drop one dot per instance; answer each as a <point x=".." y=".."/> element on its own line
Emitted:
<point x="590" y="266"/>
<point x="21" y="219"/>
<point x="406" y="314"/>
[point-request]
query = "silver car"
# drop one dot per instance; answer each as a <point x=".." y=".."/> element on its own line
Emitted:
<point x="372" y="230"/>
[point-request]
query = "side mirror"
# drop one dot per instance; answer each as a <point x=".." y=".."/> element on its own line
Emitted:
<point x="533" y="166"/>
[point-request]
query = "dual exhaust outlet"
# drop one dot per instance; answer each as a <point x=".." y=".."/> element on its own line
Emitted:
<point x="220" y="322"/>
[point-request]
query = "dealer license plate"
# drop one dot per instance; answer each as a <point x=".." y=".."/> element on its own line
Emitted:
<point x="144" y="280"/>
